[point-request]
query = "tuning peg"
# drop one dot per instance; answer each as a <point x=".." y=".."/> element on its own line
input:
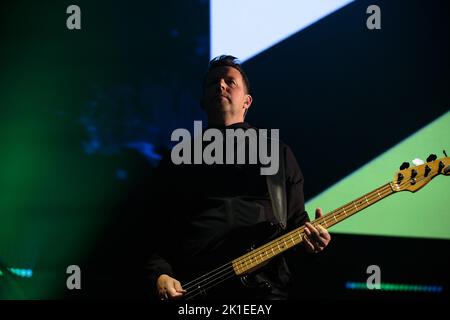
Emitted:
<point x="445" y="153"/>
<point x="417" y="162"/>
<point x="431" y="157"/>
<point x="405" y="165"/>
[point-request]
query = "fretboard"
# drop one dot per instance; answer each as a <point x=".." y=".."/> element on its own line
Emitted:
<point x="262" y="254"/>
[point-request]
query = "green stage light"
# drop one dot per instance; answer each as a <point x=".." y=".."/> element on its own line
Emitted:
<point x="396" y="287"/>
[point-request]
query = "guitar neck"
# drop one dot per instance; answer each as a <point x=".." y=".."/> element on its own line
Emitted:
<point x="254" y="259"/>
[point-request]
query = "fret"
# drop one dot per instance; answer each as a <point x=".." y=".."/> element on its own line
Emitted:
<point x="237" y="267"/>
<point x="366" y="199"/>
<point x="392" y="186"/>
<point x="334" y="216"/>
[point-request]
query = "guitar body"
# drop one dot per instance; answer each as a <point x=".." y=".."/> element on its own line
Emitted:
<point x="247" y="286"/>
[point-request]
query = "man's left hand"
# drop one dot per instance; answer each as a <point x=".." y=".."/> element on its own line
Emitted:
<point x="317" y="238"/>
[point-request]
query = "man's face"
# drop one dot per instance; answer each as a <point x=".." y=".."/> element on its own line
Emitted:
<point x="225" y="92"/>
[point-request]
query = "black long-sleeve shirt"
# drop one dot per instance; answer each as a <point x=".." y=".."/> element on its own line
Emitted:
<point x="214" y="213"/>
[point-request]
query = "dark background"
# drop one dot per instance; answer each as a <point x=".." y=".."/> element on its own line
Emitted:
<point x="85" y="115"/>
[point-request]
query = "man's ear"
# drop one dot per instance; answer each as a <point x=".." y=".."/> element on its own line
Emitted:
<point x="248" y="101"/>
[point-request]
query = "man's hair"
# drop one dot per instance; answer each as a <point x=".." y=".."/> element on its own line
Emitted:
<point x="227" y="61"/>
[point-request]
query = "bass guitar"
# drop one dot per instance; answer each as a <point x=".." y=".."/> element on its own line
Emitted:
<point x="408" y="178"/>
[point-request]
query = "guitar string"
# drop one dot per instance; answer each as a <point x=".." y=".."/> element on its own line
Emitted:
<point x="194" y="285"/>
<point x="229" y="267"/>
<point x="209" y="285"/>
<point x="297" y="230"/>
<point x="265" y="247"/>
<point x="329" y="216"/>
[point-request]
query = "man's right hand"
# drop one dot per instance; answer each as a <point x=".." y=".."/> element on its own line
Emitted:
<point x="168" y="287"/>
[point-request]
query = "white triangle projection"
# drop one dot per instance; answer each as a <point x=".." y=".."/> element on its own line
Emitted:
<point x="423" y="214"/>
<point x="244" y="28"/>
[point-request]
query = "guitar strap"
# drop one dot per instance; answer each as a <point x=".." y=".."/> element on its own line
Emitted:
<point x="276" y="185"/>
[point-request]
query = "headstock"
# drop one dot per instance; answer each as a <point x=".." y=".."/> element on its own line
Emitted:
<point x="414" y="178"/>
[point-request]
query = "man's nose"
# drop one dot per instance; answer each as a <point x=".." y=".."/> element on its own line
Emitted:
<point x="222" y="84"/>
